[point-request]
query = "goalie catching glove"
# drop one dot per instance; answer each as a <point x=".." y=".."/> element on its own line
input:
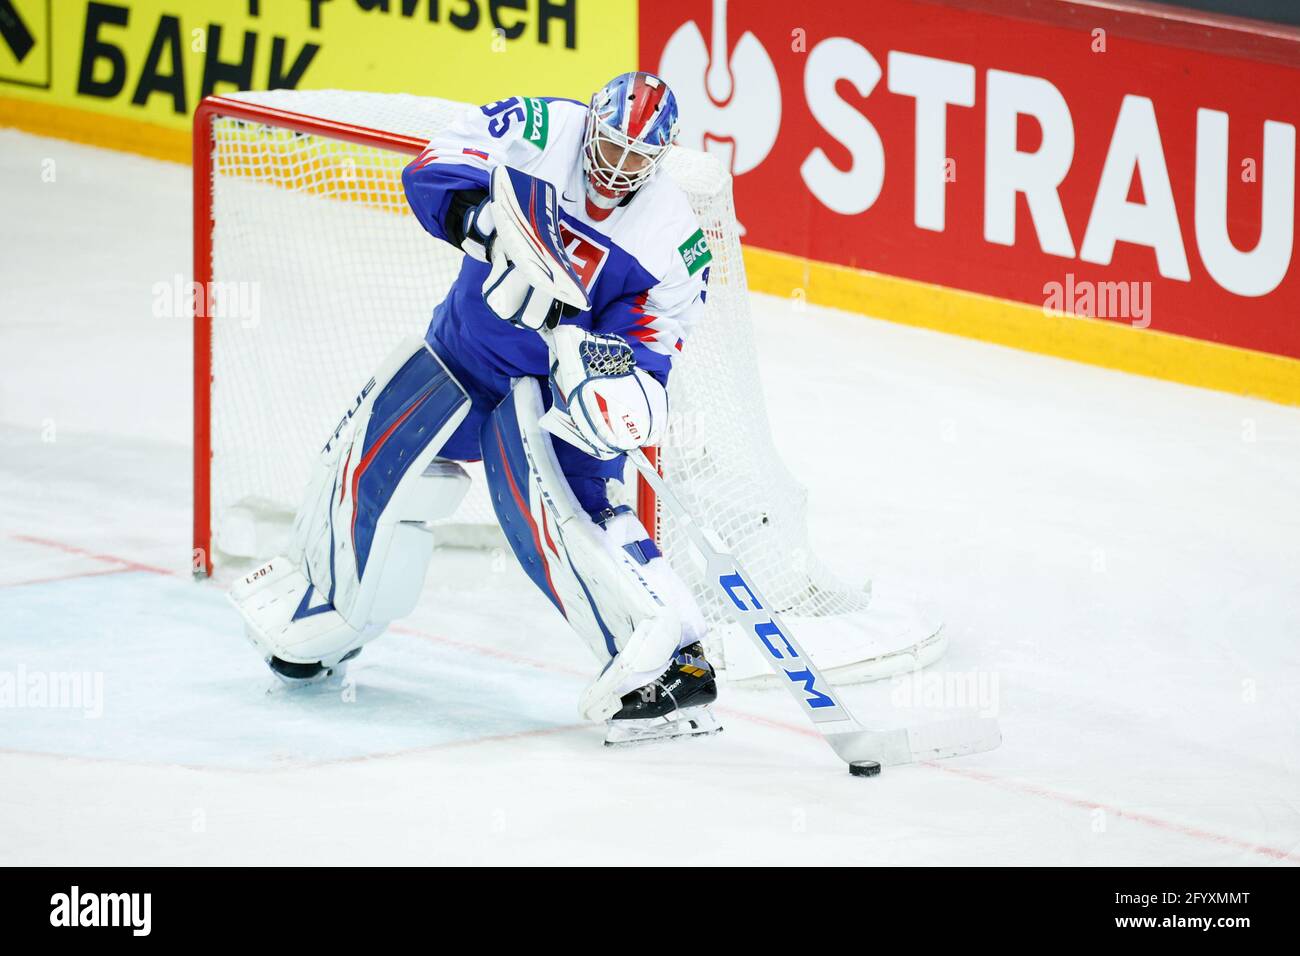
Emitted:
<point x="602" y="403"/>
<point x="532" y="283"/>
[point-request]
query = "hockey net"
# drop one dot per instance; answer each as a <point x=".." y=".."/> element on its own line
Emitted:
<point x="310" y="268"/>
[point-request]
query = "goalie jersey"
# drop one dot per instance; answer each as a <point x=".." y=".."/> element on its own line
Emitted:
<point x="645" y="265"/>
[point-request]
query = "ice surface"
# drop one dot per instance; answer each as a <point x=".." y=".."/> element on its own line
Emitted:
<point x="1116" y="559"/>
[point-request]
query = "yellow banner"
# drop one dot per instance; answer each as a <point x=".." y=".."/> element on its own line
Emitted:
<point x="151" y="61"/>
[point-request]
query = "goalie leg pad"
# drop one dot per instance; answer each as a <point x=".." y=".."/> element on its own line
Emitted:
<point x="605" y="577"/>
<point x="362" y="544"/>
<point x="275" y="602"/>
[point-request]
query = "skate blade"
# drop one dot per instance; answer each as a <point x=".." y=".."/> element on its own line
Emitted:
<point x="687" y="722"/>
<point x="329" y="681"/>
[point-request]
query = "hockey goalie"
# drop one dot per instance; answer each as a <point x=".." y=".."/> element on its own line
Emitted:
<point x="584" y="269"/>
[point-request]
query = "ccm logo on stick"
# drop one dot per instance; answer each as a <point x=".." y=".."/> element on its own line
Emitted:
<point x="766" y="629"/>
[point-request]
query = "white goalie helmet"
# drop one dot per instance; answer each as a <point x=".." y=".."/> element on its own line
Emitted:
<point x="630" y="126"/>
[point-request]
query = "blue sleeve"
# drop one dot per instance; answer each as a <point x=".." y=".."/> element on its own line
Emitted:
<point x="461" y="156"/>
<point x="429" y="187"/>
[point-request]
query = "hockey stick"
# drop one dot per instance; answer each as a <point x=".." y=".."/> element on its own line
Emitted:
<point x="862" y="749"/>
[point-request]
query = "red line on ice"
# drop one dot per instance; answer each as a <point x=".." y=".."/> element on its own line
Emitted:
<point x="126" y="563"/>
<point x="305" y="764"/>
<point x="975" y="776"/>
<point x="1034" y="790"/>
<point x="71" y="576"/>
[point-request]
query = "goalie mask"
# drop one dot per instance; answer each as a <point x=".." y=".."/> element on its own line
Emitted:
<point x="631" y="124"/>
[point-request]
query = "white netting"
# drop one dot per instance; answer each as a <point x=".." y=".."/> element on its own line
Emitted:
<point x="338" y="270"/>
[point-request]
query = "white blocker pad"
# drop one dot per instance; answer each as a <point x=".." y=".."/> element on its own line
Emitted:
<point x="530" y="269"/>
<point x="362" y="538"/>
<point x="608" y="580"/>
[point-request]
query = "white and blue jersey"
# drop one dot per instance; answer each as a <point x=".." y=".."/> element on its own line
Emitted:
<point x="645" y="265"/>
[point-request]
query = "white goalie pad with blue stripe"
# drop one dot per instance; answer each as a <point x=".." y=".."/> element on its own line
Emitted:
<point x="362" y="535"/>
<point x="604" y="574"/>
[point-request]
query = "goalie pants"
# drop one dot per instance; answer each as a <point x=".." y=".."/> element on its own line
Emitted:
<point x="486" y="389"/>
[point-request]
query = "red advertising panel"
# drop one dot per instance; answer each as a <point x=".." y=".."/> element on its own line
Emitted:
<point x="1141" y="175"/>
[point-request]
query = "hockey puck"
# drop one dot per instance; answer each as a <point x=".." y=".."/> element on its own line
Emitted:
<point x="864" y="768"/>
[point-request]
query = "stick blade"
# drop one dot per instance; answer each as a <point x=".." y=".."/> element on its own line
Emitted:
<point x="891" y="748"/>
